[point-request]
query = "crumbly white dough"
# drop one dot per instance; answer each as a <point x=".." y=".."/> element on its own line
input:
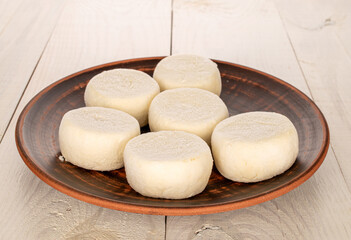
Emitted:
<point x="127" y="90"/>
<point x="191" y="110"/>
<point x="168" y="164"/>
<point x="94" y="137"/>
<point x="254" y="146"/>
<point x="187" y="70"/>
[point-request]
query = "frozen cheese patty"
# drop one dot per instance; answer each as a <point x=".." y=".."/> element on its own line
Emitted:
<point x="168" y="164"/>
<point x="127" y="90"/>
<point x="254" y="146"/>
<point x="191" y="110"/>
<point x="94" y="137"/>
<point x="185" y="70"/>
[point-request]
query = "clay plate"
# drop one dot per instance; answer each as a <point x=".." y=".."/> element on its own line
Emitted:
<point x="244" y="90"/>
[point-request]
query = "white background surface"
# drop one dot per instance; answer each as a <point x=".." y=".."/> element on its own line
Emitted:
<point x="306" y="43"/>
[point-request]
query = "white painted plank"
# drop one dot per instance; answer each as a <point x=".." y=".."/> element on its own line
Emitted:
<point x="7" y="10"/>
<point x="88" y="33"/>
<point x="326" y="62"/>
<point x="95" y="32"/>
<point x="251" y="33"/>
<point x="21" y="43"/>
<point x="318" y="209"/>
<point x="340" y="18"/>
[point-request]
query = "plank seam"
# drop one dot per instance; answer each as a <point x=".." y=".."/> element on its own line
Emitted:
<point x="343" y="47"/>
<point x="165" y="228"/>
<point x="170" y="53"/>
<point x="342" y="173"/>
<point x="171" y="42"/>
<point x="30" y="78"/>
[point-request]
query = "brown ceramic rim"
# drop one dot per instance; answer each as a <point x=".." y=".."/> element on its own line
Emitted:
<point x="174" y="211"/>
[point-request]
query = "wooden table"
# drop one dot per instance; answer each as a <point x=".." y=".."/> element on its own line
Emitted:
<point x="306" y="43"/>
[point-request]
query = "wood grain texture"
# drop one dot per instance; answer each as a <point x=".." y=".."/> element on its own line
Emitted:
<point x="249" y="33"/>
<point x="87" y="33"/>
<point x="7" y="10"/>
<point x="93" y="32"/>
<point x="22" y="42"/>
<point x="322" y="45"/>
<point x="252" y="33"/>
<point x="243" y="90"/>
<point x="245" y="32"/>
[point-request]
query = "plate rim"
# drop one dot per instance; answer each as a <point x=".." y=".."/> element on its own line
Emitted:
<point x="171" y="211"/>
